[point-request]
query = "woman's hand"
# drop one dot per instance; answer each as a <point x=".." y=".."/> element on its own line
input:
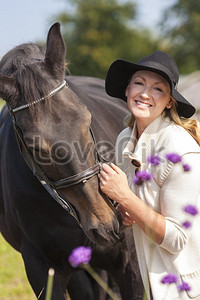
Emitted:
<point x="113" y="182"/>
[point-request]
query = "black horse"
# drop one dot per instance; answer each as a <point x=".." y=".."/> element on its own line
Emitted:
<point x="50" y="201"/>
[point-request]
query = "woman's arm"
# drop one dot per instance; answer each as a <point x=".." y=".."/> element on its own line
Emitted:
<point x="114" y="184"/>
<point x="180" y="189"/>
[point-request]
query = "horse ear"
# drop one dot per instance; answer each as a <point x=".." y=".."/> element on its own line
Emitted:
<point x="55" y="51"/>
<point x="8" y="88"/>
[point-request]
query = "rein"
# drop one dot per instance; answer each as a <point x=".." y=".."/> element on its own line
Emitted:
<point x="53" y="186"/>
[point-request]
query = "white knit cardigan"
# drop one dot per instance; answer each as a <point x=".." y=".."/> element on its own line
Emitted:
<point x="168" y="193"/>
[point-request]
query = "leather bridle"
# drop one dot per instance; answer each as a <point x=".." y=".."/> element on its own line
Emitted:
<point x="53" y="186"/>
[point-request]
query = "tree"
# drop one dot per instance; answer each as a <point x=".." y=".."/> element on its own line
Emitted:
<point x="100" y="31"/>
<point x="182" y="26"/>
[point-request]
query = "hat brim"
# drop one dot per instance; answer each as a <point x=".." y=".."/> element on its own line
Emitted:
<point x="120" y="73"/>
<point x="184" y="108"/>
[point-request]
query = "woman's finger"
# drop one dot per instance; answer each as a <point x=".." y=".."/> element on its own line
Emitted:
<point x="128" y="224"/>
<point x="106" y="168"/>
<point x="115" y="168"/>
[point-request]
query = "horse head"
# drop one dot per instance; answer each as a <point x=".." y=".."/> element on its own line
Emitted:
<point x="54" y="132"/>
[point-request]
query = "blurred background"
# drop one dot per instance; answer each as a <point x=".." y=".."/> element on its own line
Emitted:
<point x="97" y="32"/>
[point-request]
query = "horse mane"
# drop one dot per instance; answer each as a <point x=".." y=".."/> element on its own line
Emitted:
<point x="21" y="62"/>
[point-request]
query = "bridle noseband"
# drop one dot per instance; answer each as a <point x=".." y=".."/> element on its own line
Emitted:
<point x="53" y="186"/>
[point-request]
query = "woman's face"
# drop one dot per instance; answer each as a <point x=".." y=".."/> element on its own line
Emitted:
<point x="148" y="94"/>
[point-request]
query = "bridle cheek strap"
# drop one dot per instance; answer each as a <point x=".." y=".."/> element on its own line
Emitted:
<point x="41" y="176"/>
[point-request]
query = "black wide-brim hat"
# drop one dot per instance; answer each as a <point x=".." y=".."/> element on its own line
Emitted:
<point x="121" y="71"/>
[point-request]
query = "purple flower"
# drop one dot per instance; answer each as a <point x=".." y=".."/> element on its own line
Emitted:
<point x="80" y="255"/>
<point x="142" y="176"/>
<point x="154" y="160"/>
<point x="169" y="278"/>
<point x="187" y="224"/>
<point x="184" y="287"/>
<point x="173" y="157"/>
<point x="191" y="209"/>
<point x="186" y="167"/>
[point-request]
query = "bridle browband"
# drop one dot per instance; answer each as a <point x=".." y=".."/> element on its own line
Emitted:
<point x="49" y="185"/>
<point x="51" y="94"/>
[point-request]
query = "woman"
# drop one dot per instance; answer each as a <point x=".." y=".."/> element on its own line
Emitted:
<point x="156" y="183"/>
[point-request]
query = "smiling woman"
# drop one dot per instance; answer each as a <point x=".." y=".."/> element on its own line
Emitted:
<point x="148" y="94"/>
<point x="154" y="186"/>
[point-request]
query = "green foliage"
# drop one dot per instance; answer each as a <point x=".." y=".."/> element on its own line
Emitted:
<point x="181" y="24"/>
<point x="100" y="31"/>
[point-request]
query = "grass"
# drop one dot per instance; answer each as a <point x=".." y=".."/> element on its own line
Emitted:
<point x="14" y="284"/>
<point x="2" y="102"/>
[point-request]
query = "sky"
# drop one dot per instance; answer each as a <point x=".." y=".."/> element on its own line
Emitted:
<point x="29" y="20"/>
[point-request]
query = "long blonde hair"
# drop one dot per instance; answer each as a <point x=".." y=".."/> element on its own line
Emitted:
<point x="190" y="125"/>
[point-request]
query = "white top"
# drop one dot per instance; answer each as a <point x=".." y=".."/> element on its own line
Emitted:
<point x="168" y="193"/>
